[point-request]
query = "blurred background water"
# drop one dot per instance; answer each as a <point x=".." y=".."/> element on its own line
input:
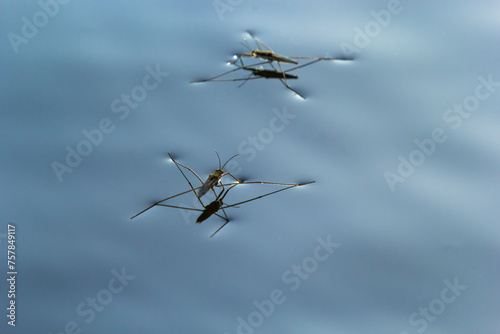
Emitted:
<point x="413" y="230"/>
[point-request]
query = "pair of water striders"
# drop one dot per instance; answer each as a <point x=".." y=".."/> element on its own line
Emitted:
<point x="215" y="180"/>
<point x="270" y="57"/>
<point x="257" y="71"/>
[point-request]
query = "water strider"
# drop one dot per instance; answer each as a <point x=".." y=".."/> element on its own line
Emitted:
<point x="216" y="205"/>
<point x="258" y="72"/>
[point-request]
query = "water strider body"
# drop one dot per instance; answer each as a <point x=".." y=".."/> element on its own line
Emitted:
<point x="270" y="56"/>
<point x="215" y="177"/>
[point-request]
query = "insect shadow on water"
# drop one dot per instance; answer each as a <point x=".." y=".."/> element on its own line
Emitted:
<point x="258" y="72"/>
<point x="217" y="204"/>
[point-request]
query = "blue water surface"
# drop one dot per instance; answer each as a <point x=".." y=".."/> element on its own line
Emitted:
<point x="399" y="233"/>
